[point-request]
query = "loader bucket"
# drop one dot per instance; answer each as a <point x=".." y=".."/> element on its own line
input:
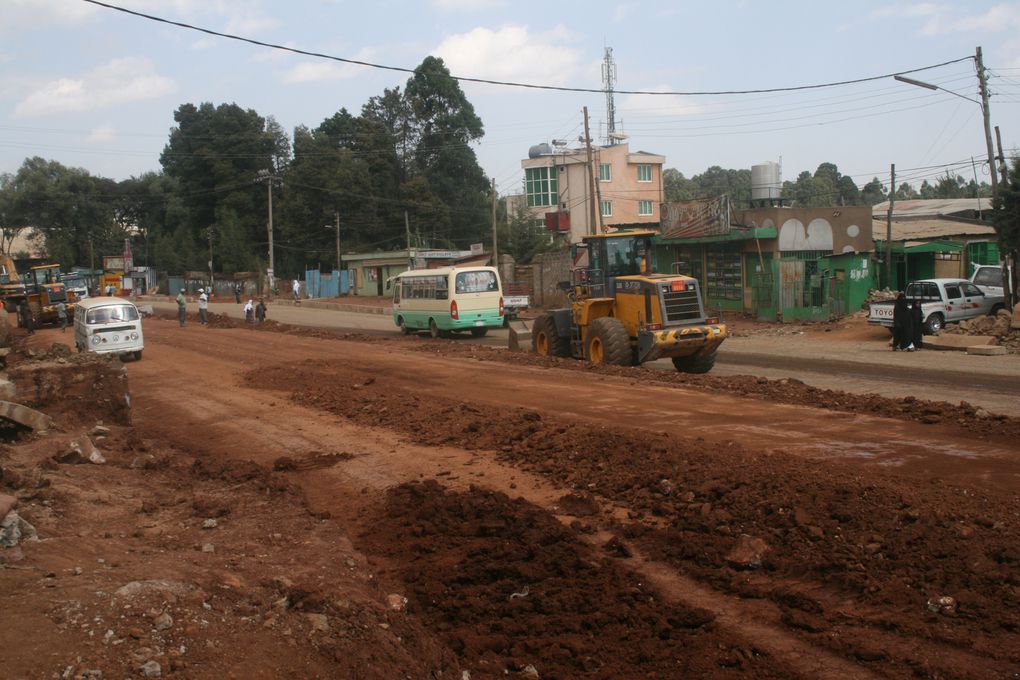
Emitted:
<point x="520" y="335"/>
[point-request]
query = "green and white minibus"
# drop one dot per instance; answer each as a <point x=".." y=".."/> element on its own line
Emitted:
<point x="448" y="299"/>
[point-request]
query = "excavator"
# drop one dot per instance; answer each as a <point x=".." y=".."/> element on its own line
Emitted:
<point x="624" y="313"/>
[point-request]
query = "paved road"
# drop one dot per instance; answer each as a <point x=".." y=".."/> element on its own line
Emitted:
<point x="862" y="366"/>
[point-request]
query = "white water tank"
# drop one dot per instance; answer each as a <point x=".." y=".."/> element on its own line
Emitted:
<point x="766" y="183"/>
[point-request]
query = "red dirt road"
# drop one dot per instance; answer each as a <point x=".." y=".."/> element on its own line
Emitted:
<point x="541" y="518"/>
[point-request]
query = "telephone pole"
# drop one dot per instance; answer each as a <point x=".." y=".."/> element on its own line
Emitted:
<point x="983" y="83"/>
<point x="209" y="232"/>
<point x="591" y="176"/>
<point x="495" y="251"/>
<point x="888" y="227"/>
<point x="339" y="264"/>
<point x="267" y="177"/>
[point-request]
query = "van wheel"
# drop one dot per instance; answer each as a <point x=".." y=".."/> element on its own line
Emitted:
<point x="479" y="332"/>
<point x="138" y="355"/>
<point x="403" y="327"/>
<point x="434" y="329"/>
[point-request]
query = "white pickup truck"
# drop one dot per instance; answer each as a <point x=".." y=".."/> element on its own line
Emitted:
<point x="942" y="301"/>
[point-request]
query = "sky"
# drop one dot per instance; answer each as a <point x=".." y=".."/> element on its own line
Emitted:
<point x="95" y="88"/>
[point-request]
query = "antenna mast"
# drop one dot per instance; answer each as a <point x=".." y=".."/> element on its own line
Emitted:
<point x="608" y="80"/>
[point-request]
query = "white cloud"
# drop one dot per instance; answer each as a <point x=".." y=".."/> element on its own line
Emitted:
<point x="321" y="70"/>
<point x="511" y="53"/>
<point x="103" y="133"/>
<point x="118" y="82"/>
<point x="466" y="5"/>
<point x="940" y="19"/>
<point x="622" y="12"/>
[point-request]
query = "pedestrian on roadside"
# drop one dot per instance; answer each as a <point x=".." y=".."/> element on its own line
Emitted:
<point x="203" y="307"/>
<point x="62" y="315"/>
<point x="182" y="303"/>
<point x="917" y="324"/>
<point x="260" y="311"/>
<point x="25" y="314"/>
<point x="249" y="311"/>
<point x="297" y="292"/>
<point x="903" y="326"/>
<point x="237" y="292"/>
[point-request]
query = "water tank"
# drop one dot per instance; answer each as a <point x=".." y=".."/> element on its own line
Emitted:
<point x="766" y="184"/>
<point x="542" y="149"/>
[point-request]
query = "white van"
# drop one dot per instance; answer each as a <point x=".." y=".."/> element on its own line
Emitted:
<point x="108" y="325"/>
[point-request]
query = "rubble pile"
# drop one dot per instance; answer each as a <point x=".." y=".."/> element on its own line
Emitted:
<point x="883" y="295"/>
<point x="998" y="326"/>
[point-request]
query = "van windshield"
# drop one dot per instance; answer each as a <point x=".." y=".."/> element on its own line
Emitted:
<point x="111" y="314"/>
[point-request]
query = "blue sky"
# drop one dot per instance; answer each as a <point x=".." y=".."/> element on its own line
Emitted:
<point x="97" y="89"/>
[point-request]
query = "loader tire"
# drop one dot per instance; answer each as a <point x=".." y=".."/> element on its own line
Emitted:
<point x="545" y="340"/>
<point x="608" y="343"/>
<point x="695" y="364"/>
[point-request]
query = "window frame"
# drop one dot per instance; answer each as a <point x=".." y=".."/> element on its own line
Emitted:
<point x="606" y="176"/>
<point x="602" y="208"/>
<point x="645" y="166"/>
<point x="541" y="186"/>
<point x="641" y="204"/>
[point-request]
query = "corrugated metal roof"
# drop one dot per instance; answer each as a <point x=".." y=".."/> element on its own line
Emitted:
<point x="923" y="207"/>
<point x="914" y="230"/>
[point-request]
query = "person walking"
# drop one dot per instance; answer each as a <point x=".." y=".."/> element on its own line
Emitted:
<point x="62" y="315"/>
<point x="182" y="303"/>
<point x="237" y="292"/>
<point x="260" y="311"/>
<point x="916" y="324"/>
<point x="203" y="307"/>
<point x="25" y="314"/>
<point x="297" y="292"/>
<point x="902" y="324"/>
<point x="249" y="311"/>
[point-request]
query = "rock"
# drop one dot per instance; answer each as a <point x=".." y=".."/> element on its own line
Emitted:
<point x="210" y="524"/>
<point x="7" y="504"/>
<point x="320" y="622"/>
<point x="99" y="431"/>
<point x="145" y="461"/>
<point x="747" y="553"/>
<point x="151" y="669"/>
<point x="208" y="548"/>
<point x="136" y="588"/>
<point x="943" y="604"/>
<point x="14" y="530"/>
<point x="163" y="621"/>
<point x="80" y="450"/>
<point x="8" y="391"/>
<point x="396" y="602"/>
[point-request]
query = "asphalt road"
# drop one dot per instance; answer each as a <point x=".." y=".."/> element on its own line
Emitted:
<point x="858" y="366"/>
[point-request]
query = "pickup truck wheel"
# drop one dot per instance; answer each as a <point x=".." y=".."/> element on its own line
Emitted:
<point x="694" y="364"/>
<point x="934" y="324"/>
<point x="546" y="341"/>
<point x="996" y="309"/>
<point x="608" y="343"/>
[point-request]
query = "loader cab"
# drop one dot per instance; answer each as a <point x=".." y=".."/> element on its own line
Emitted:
<point x="600" y="260"/>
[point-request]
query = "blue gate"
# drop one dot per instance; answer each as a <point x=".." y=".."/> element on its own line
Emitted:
<point x="319" y="285"/>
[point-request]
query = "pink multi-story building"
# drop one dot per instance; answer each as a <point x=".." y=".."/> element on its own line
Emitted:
<point x="558" y="189"/>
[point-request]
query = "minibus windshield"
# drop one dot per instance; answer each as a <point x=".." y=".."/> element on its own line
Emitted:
<point x="111" y="314"/>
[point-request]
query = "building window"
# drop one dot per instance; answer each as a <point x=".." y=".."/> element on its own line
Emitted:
<point x="542" y="186"/>
<point x="605" y="172"/>
<point x="644" y="173"/>
<point x="644" y="208"/>
<point x="607" y="208"/>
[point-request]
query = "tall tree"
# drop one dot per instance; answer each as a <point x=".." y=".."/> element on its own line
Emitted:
<point x="1007" y="220"/>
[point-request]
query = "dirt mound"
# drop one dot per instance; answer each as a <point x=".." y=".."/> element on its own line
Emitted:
<point x="839" y="556"/>
<point x="510" y="589"/>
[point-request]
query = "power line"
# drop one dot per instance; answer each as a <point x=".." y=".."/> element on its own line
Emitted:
<point x="486" y="81"/>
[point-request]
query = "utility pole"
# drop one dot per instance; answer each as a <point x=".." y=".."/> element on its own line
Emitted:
<point x="983" y="83"/>
<point x="591" y="177"/>
<point x="407" y="229"/>
<point x="340" y="264"/>
<point x="888" y="227"/>
<point x="495" y="249"/>
<point x="209" y="232"/>
<point x="1004" y="177"/>
<point x="269" y="179"/>
<point x="1012" y="275"/>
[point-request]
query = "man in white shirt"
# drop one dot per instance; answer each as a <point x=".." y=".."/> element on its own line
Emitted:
<point x="203" y="307"/>
<point x="297" y="292"/>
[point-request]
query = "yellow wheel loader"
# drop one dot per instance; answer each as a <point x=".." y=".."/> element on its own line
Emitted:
<point x="623" y="313"/>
